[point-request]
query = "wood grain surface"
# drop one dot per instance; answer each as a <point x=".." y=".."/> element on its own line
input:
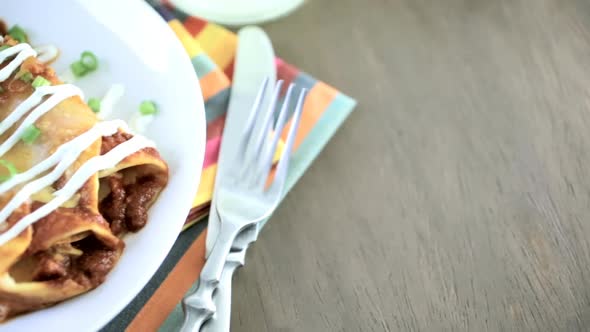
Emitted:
<point x="457" y="196"/>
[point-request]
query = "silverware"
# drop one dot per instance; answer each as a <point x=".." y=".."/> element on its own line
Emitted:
<point x="222" y="298"/>
<point x="242" y="198"/>
<point x="254" y="63"/>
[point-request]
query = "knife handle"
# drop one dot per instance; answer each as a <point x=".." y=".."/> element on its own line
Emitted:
<point x="222" y="318"/>
<point x="198" y="306"/>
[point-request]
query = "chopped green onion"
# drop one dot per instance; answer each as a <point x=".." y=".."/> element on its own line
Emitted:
<point x="78" y="69"/>
<point x="3" y="47"/>
<point x="25" y="76"/>
<point x="94" y="104"/>
<point x="40" y="81"/>
<point x="30" y="134"/>
<point x="147" y="107"/>
<point x="18" y="33"/>
<point x="89" y="60"/>
<point x="12" y="171"/>
<point x="1" y="89"/>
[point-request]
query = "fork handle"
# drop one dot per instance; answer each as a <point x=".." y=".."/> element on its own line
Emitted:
<point x="222" y="299"/>
<point x="198" y="306"/>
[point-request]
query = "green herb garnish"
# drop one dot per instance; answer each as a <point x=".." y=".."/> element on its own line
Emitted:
<point x="30" y="134"/>
<point x="148" y="107"/>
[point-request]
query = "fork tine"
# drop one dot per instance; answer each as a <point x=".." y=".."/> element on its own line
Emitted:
<point x="267" y="122"/>
<point x="268" y="152"/>
<point x="259" y="131"/>
<point x="250" y="122"/>
<point x="283" y="166"/>
<point x="248" y="129"/>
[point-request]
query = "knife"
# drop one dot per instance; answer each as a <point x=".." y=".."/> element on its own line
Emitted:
<point x="254" y="62"/>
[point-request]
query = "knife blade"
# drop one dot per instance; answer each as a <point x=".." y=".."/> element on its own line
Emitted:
<point x="254" y="62"/>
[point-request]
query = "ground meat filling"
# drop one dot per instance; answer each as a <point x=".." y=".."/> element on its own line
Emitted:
<point x="125" y="208"/>
<point x="95" y="265"/>
<point x="3" y="28"/>
<point x="140" y="196"/>
<point x="109" y="142"/>
<point x="51" y="266"/>
<point x="89" y="268"/>
<point x="61" y="182"/>
<point x="114" y="206"/>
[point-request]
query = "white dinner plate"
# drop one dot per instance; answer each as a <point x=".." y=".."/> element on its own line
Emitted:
<point x="135" y="47"/>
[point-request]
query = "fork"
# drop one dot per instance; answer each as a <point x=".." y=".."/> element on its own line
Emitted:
<point x="243" y="199"/>
<point x="222" y="298"/>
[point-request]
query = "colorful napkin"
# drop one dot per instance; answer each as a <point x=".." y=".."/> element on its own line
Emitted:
<point x="211" y="49"/>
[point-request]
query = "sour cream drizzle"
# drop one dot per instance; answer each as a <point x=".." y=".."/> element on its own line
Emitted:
<point x="46" y="53"/>
<point x="65" y="155"/>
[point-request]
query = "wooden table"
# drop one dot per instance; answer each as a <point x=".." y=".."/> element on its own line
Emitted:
<point x="457" y="195"/>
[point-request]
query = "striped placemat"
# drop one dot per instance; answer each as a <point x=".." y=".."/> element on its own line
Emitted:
<point x="212" y="49"/>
